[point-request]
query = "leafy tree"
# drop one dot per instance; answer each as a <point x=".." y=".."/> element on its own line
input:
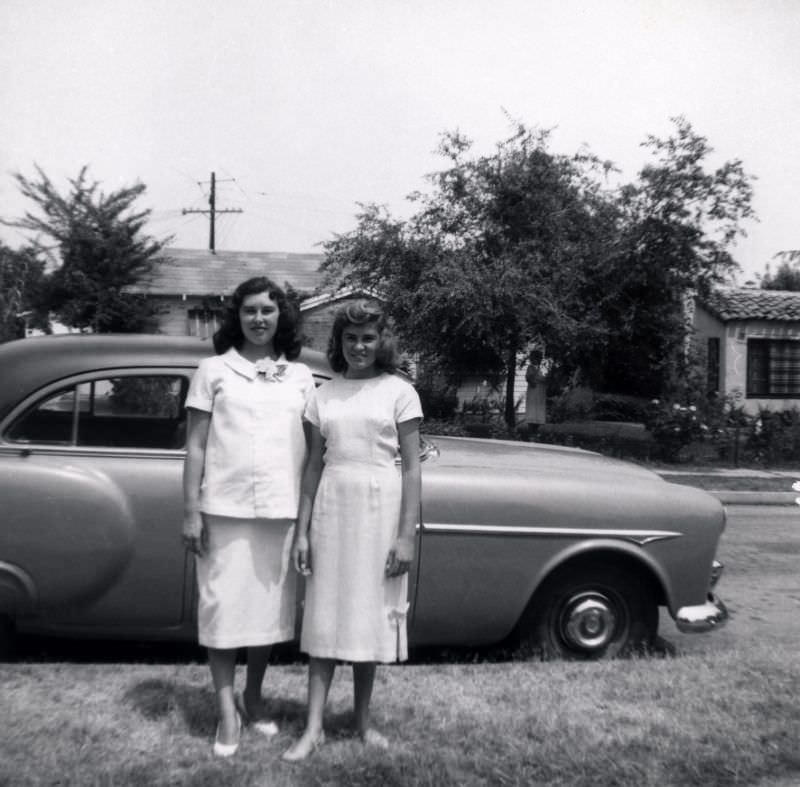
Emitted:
<point x="21" y="285"/>
<point x="495" y="258"/>
<point x="679" y="220"/>
<point x="525" y="246"/>
<point x="98" y="244"/>
<point x="786" y="275"/>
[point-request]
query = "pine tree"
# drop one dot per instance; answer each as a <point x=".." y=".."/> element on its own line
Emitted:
<point x="97" y="245"/>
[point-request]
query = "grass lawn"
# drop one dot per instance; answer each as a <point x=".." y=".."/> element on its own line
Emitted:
<point x="726" y="719"/>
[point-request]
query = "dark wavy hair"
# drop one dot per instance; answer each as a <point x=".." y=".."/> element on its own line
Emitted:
<point x="288" y="339"/>
<point x="362" y="312"/>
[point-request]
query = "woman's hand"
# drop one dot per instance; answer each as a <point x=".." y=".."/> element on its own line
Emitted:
<point x="301" y="556"/>
<point x="400" y="558"/>
<point x="195" y="534"/>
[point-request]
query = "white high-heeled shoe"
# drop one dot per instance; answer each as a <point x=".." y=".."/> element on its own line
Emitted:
<point x="265" y="727"/>
<point x="228" y="749"/>
<point x="296" y="752"/>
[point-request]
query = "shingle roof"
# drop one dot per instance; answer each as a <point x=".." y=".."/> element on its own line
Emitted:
<point x="199" y="272"/>
<point x="748" y="303"/>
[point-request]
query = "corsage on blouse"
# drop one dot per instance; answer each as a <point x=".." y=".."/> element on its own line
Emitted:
<point x="273" y="372"/>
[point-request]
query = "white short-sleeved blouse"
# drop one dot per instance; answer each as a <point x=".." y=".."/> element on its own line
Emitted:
<point x="358" y="418"/>
<point x="256" y="445"/>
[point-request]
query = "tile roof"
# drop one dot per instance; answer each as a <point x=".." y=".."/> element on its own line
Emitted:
<point x="199" y="272"/>
<point x="749" y="303"/>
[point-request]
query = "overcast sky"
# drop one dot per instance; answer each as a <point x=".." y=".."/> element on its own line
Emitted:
<point x="305" y="107"/>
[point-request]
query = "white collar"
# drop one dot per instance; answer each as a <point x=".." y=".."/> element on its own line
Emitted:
<point x="236" y="361"/>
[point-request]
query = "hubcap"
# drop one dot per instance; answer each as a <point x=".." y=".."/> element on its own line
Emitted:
<point x="588" y="621"/>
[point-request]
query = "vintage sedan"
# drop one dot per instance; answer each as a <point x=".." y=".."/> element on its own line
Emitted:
<point x="565" y="550"/>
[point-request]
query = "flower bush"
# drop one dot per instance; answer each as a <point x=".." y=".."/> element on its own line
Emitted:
<point x="774" y="437"/>
<point x="767" y="438"/>
<point x="674" y="426"/>
<point x="482" y="408"/>
<point x="686" y="425"/>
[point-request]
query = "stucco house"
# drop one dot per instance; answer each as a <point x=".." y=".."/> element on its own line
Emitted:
<point x="191" y="288"/>
<point x="751" y="339"/>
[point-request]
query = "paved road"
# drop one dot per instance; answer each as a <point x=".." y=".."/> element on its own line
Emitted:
<point x="761" y="584"/>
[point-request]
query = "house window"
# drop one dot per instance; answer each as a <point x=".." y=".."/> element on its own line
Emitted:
<point x="773" y="368"/>
<point x="203" y="322"/>
<point x="712" y="366"/>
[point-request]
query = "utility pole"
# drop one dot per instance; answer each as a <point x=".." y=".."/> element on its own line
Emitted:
<point x="212" y="211"/>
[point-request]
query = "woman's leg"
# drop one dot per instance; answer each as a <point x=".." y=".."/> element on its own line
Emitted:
<point x="320" y="675"/>
<point x="223" y="667"/>
<point x="363" y="681"/>
<point x="257" y="660"/>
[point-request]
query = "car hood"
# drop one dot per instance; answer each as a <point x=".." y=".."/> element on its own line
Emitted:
<point x="495" y="482"/>
<point x="511" y="457"/>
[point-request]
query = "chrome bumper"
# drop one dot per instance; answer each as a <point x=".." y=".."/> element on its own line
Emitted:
<point x="703" y="617"/>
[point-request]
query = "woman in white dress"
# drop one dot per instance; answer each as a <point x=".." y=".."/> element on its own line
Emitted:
<point x="245" y="452"/>
<point x="357" y="520"/>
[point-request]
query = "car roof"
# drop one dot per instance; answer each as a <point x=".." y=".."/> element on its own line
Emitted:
<point x="29" y="364"/>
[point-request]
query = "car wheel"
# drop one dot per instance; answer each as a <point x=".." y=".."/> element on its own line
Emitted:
<point x="592" y="612"/>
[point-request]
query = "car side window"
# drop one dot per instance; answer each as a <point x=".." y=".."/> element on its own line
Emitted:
<point x="125" y="411"/>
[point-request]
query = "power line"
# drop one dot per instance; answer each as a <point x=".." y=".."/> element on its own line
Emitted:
<point x="212" y="211"/>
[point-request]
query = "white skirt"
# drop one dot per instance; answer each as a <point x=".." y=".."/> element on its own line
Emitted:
<point x="352" y="611"/>
<point x="246" y="588"/>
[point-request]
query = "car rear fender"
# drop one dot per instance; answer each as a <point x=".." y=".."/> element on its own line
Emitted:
<point x="67" y="533"/>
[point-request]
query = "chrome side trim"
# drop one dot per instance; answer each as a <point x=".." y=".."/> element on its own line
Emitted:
<point x="640" y="537"/>
<point x="76" y="451"/>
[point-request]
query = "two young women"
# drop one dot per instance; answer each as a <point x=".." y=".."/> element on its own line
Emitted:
<point x="355" y="509"/>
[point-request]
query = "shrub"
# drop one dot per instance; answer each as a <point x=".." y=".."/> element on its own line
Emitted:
<point x="607" y="437"/>
<point x="451" y="428"/>
<point x="573" y="404"/>
<point x="774" y="437"/>
<point x="616" y="407"/>
<point x="494" y="429"/>
<point x="582" y="404"/>
<point x="674" y="426"/>
<point x="438" y="402"/>
<point x="482" y="408"/>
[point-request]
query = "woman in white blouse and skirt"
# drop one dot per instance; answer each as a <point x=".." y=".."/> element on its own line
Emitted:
<point x="246" y="449"/>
